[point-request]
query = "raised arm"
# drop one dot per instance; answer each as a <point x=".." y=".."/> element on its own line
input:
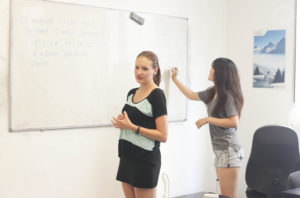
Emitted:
<point x="185" y="90"/>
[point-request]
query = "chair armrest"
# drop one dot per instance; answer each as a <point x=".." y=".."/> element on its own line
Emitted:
<point x="291" y="193"/>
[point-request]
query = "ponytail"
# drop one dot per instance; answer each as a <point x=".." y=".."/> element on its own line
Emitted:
<point x="157" y="77"/>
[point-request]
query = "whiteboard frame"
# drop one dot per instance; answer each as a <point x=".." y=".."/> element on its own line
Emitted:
<point x="297" y="55"/>
<point x="10" y="77"/>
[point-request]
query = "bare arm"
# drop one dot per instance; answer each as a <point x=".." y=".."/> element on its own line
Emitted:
<point x="230" y="122"/>
<point x="185" y="90"/>
<point x="161" y="131"/>
<point x="159" y="134"/>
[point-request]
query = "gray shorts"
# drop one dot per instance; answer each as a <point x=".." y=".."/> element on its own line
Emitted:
<point x="228" y="158"/>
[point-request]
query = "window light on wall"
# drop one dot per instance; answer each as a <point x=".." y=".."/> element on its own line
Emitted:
<point x="294" y="117"/>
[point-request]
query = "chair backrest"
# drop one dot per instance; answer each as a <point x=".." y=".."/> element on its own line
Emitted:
<point x="274" y="155"/>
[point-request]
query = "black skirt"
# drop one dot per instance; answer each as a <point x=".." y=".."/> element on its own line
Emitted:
<point x="138" y="174"/>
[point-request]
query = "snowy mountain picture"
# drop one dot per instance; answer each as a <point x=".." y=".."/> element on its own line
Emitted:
<point x="269" y="59"/>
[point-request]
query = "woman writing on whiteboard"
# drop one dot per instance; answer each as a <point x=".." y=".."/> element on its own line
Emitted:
<point x="143" y="124"/>
<point x="224" y="103"/>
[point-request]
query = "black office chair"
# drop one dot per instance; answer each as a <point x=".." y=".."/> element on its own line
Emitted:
<point x="274" y="155"/>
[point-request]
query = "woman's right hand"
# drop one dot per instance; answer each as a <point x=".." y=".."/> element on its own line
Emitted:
<point x="123" y="122"/>
<point x="120" y="117"/>
<point x="174" y="71"/>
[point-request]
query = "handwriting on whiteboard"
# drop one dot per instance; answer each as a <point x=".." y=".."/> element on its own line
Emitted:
<point x="50" y="38"/>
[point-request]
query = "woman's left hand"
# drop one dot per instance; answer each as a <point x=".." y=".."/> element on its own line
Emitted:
<point x="201" y="122"/>
<point x="122" y="121"/>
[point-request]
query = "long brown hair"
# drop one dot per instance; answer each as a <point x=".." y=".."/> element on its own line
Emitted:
<point x="226" y="80"/>
<point x="152" y="56"/>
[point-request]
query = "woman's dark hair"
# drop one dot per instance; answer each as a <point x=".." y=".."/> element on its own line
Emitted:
<point x="227" y="81"/>
<point x="152" y="56"/>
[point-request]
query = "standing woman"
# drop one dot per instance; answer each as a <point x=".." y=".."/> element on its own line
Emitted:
<point x="224" y="103"/>
<point x="143" y="124"/>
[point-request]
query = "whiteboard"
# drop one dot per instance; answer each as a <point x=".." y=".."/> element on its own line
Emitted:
<point x="71" y="66"/>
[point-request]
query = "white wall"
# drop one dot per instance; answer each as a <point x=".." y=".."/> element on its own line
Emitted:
<point x="262" y="106"/>
<point x="82" y="163"/>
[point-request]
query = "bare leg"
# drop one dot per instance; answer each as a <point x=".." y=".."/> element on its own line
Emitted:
<point x="145" y="192"/>
<point x="128" y="190"/>
<point x="228" y="178"/>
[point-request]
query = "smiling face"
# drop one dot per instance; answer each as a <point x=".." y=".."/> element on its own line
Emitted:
<point x="144" y="70"/>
